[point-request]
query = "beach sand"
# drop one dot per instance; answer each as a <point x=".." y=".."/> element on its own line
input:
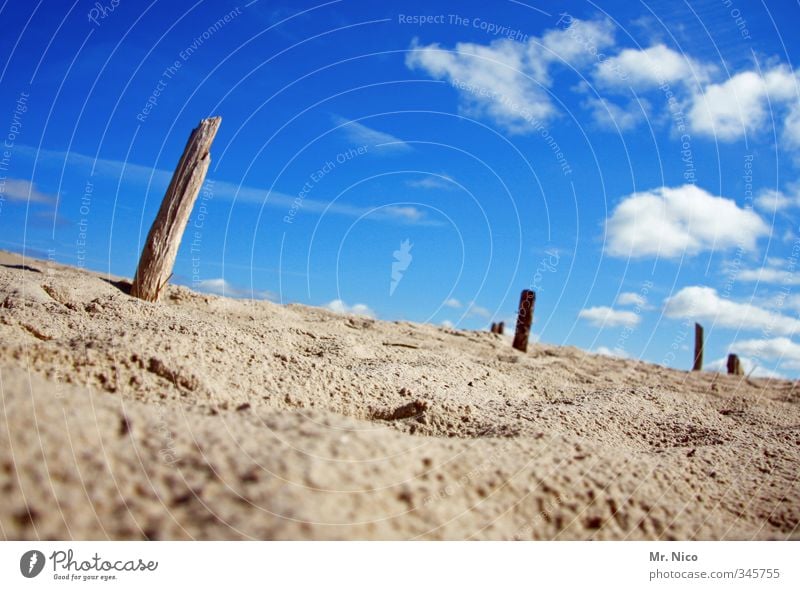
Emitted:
<point x="202" y="417"/>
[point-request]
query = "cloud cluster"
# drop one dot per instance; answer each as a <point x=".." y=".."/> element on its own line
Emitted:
<point x="671" y="222"/>
<point x="644" y="69"/>
<point x="509" y="82"/>
<point x="742" y="104"/>
<point x="700" y="303"/>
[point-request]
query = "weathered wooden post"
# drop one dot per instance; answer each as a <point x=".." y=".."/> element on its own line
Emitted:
<point x="164" y="238"/>
<point x="527" y="301"/>
<point x="734" y="365"/>
<point x="493" y="329"/>
<point x="501" y="327"/>
<point x="698" y="348"/>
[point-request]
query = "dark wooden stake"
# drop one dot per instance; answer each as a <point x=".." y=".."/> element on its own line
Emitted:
<point x="734" y="365"/>
<point x="493" y="329"/>
<point x="501" y="327"/>
<point x="698" y="348"/>
<point x="161" y="247"/>
<point x="524" y="320"/>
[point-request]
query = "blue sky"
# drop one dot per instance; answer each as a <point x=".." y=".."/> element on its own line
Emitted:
<point x="636" y="165"/>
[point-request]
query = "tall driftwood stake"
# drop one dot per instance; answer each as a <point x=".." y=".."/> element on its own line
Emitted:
<point x="734" y="365"/>
<point x="161" y="247"/>
<point x="698" y="348"/>
<point x="501" y="327"/>
<point x="524" y="319"/>
<point x="493" y="329"/>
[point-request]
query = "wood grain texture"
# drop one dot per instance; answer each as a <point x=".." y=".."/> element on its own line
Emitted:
<point x="164" y="238"/>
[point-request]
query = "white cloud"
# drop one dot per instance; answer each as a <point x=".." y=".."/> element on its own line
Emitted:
<point x="402" y="212"/>
<point x="631" y="299"/>
<point x="778" y="200"/>
<point x="476" y="310"/>
<point x="740" y="104"/>
<point x="339" y="306"/>
<point x="577" y="44"/>
<point x="222" y="287"/>
<point x="506" y="81"/>
<point x="772" y="200"/>
<point x="494" y="81"/>
<point x="434" y="182"/>
<point x="447" y="324"/>
<point x="790" y="302"/>
<point x="791" y="126"/>
<point x="360" y="134"/>
<point x="453" y="302"/>
<point x="726" y="110"/>
<point x="669" y="222"/>
<point x="648" y="68"/>
<point x="616" y="352"/>
<point x="17" y="189"/>
<point x="609" y="317"/>
<point x="780" y="349"/>
<point x="769" y="275"/>
<point x="610" y="116"/>
<point x="705" y="304"/>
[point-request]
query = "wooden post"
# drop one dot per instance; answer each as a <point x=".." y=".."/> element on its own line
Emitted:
<point x="161" y="247"/>
<point x="734" y="365"/>
<point x="501" y="327"/>
<point x="698" y="348"/>
<point x="527" y="301"/>
<point x="493" y="329"/>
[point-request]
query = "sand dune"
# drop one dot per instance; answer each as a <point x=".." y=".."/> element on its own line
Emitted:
<point x="211" y="418"/>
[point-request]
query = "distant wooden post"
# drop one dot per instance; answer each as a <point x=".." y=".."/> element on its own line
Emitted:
<point x="161" y="247"/>
<point x="698" y="348"/>
<point x="493" y="329"/>
<point x="734" y="365"/>
<point x="501" y="327"/>
<point x="527" y="301"/>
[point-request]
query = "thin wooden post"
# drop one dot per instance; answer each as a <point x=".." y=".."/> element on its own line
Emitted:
<point x="698" y="348"/>
<point x="527" y="300"/>
<point x="734" y="365"/>
<point x="501" y="327"/>
<point x="493" y="329"/>
<point x="164" y="238"/>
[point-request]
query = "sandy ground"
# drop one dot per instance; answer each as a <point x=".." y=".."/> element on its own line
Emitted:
<point x="210" y="418"/>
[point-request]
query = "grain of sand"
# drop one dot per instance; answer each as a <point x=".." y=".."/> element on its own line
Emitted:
<point x="202" y="417"/>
